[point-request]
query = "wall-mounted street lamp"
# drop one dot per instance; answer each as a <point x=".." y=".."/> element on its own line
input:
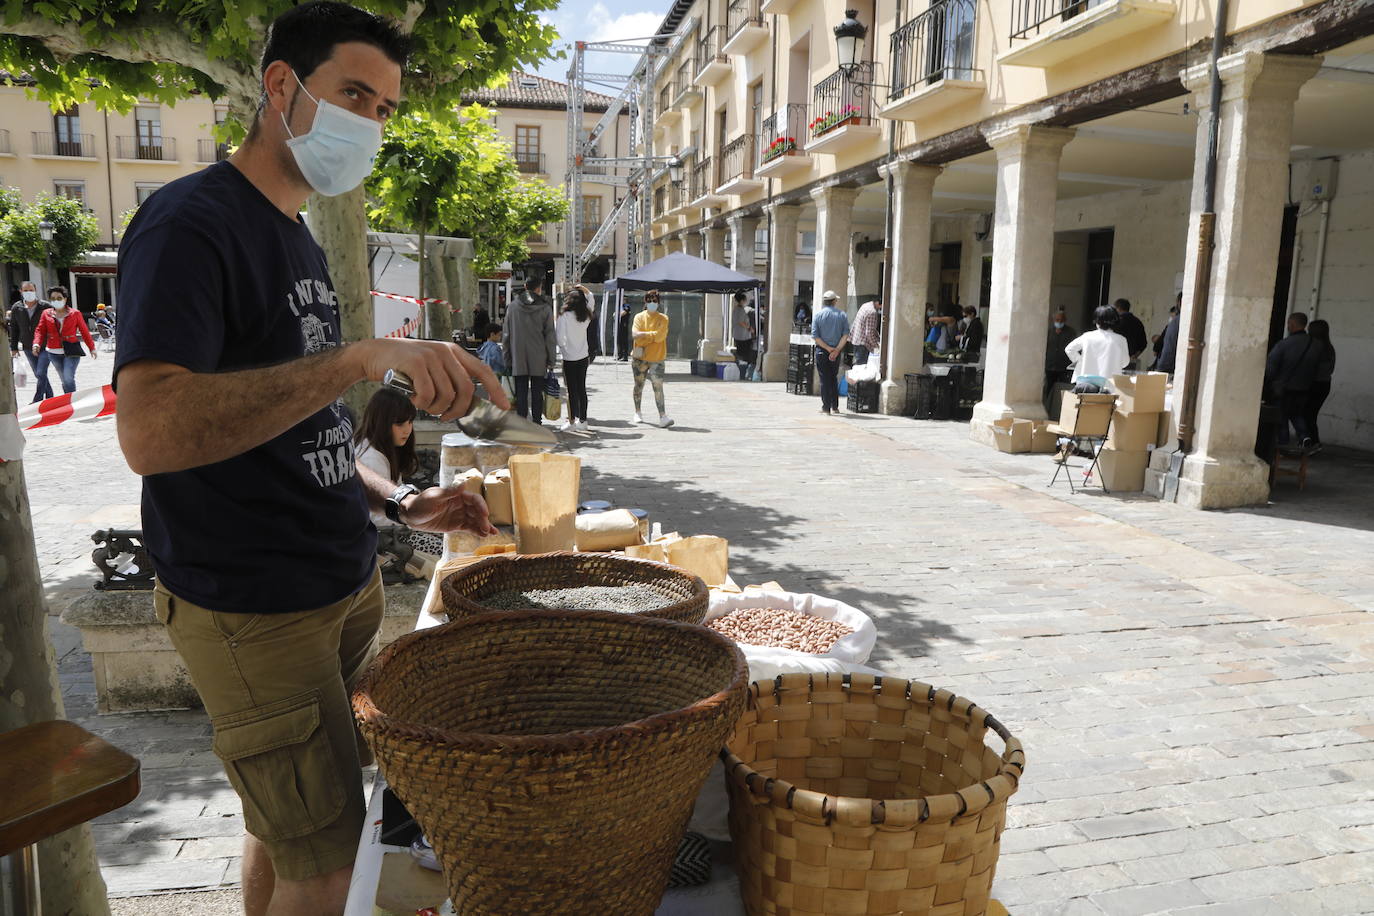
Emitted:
<point x="45" y="232"/>
<point x="677" y="170"/>
<point x="849" y="41"/>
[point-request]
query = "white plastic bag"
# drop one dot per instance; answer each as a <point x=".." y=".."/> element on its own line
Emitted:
<point x="870" y="371"/>
<point x="21" y="371"/>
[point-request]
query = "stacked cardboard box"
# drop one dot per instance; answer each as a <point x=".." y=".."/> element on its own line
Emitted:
<point x="1135" y="430"/>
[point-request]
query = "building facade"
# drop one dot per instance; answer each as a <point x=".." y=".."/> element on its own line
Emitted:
<point x="532" y="113"/>
<point x="1025" y="156"/>
<point x="108" y="161"/>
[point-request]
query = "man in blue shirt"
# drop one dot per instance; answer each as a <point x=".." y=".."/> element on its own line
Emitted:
<point x="830" y="331"/>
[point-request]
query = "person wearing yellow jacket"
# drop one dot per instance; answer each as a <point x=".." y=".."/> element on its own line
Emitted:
<point x="650" y="350"/>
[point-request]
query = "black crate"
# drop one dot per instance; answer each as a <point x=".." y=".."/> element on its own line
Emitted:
<point x="704" y="368"/>
<point x="946" y="400"/>
<point x="920" y="395"/>
<point x="862" y="397"/>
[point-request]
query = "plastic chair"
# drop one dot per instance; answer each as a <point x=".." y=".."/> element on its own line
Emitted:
<point x="1091" y="423"/>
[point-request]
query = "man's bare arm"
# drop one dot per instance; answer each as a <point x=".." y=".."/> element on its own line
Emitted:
<point x="171" y="418"/>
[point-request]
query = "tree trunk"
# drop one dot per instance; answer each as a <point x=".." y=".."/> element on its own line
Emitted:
<point x="71" y="880"/>
<point x="440" y="321"/>
<point x="460" y="316"/>
<point x="339" y="224"/>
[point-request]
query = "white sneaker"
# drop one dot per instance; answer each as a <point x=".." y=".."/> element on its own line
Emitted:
<point x="638" y="419"/>
<point x="567" y="426"/>
<point x="582" y="426"/>
<point x="664" y="422"/>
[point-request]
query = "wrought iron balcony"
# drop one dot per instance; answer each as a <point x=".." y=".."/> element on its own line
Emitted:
<point x="712" y="64"/>
<point x="687" y="92"/>
<point x="841" y="111"/>
<point x="148" y="149"/>
<point x="76" y="145"/>
<point x="744" y="28"/>
<point x="1049" y="32"/>
<point x="530" y="163"/>
<point x="703" y="183"/>
<point x="660" y="201"/>
<point x="210" y="151"/>
<point x="932" y="61"/>
<point x="737" y="166"/>
<point x="781" y="146"/>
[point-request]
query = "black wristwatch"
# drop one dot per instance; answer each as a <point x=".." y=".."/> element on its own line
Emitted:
<point x="392" y="505"/>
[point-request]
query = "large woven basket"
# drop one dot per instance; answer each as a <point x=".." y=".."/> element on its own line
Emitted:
<point x="685" y="596"/>
<point x="854" y="795"/>
<point x="552" y="757"/>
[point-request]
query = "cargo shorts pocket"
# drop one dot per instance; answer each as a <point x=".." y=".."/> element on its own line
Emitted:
<point x="281" y="762"/>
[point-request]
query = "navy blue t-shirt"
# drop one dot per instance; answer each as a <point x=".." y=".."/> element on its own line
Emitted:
<point x="215" y="278"/>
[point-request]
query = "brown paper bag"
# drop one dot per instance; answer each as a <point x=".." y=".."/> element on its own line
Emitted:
<point x="497" y="490"/>
<point x="607" y="530"/>
<point x="544" y="492"/>
<point x="469" y="480"/>
<point x="653" y="552"/>
<point x="705" y="555"/>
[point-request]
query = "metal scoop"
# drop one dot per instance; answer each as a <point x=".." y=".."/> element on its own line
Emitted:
<point x="484" y="420"/>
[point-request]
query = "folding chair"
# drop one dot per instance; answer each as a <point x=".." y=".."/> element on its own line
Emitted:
<point x="1085" y="420"/>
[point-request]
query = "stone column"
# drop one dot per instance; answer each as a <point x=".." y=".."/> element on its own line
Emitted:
<point x="656" y="251"/>
<point x="1023" y="252"/>
<point x="692" y="243"/>
<point x="713" y="330"/>
<point x="743" y="230"/>
<point x="834" y="222"/>
<point x="674" y="244"/>
<point x="782" y="287"/>
<point x="904" y="318"/>
<point x="1258" y="94"/>
<point x="970" y="262"/>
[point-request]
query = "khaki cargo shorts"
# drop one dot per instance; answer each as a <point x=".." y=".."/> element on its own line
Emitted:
<point x="276" y="687"/>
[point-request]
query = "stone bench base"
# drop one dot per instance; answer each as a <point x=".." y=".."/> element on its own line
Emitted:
<point x="136" y="667"/>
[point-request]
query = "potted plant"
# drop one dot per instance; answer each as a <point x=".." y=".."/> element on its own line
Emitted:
<point x="849" y="114"/>
<point x="781" y="146"/>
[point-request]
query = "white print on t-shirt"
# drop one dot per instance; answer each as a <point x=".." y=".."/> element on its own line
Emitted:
<point x="330" y="454"/>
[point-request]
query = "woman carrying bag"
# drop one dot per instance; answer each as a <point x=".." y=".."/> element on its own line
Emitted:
<point x="573" y="323"/>
<point x="58" y="337"/>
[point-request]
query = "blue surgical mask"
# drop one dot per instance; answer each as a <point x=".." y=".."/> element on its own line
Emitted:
<point x="651" y="306"/>
<point x="1058" y="325"/>
<point x="338" y="151"/>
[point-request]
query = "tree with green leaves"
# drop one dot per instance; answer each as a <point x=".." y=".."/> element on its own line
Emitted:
<point x="457" y="176"/>
<point x="113" y="52"/>
<point x="75" y="232"/>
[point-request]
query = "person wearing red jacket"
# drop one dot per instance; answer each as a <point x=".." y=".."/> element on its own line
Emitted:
<point x="59" y="335"/>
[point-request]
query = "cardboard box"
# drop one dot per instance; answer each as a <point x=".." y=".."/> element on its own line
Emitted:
<point x="1043" y="442"/>
<point x="1088" y="413"/>
<point x="1140" y="393"/>
<point x="1012" y="435"/>
<point x="1133" y="432"/>
<point x="1167" y="434"/>
<point x="1122" y="471"/>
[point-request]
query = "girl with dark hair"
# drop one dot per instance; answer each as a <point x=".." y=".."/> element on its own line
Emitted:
<point x="1098" y="355"/>
<point x="58" y="336"/>
<point x="1320" y="332"/>
<point x="571" y="331"/>
<point x="384" y="443"/>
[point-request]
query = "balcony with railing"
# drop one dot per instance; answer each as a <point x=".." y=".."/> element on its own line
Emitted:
<point x="688" y="94"/>
<point x="531" y="163"/>
<point x="5" y="149"/>
<point x="1048" y="32"/>
<point x="146" y="149"/>
<point x="660" y="203"/>
<point x="781" y="146"/>
<point x="210" y="151"/>
<point x="737" y="161"/>
<point x="776" y="7"/>
<point x="76" y="146"/>
<point x="841" y="111"/>
<point x="932" y="61"/>
<point x="668" y="114"/>
<point x="744" y="27"/>
<point x="713" y="64"/>
<point x="703" y="192"/>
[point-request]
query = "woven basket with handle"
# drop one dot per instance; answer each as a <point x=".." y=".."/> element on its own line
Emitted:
<point x="854" y="795"/>
<point x="552" y="757"/>
<point x="685" y="596"/>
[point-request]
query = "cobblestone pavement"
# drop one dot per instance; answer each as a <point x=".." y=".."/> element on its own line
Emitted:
<point x="1193" y="689"/>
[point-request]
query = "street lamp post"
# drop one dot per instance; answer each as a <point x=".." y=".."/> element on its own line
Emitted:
<point x="45" y="229"/>
<point x="849" y="41"/>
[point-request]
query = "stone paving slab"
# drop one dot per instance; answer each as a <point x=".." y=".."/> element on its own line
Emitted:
<point x="1195" y="691"/>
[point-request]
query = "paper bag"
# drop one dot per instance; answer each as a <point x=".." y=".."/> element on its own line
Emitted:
<point x="469" y="480"/>
<point x="607" y="530"/>
<point x="705" y="555"/>
<point x="544" y="496"/>
<point x="466" y="544"/>
<point x="653" y="552"/>
<point x="497" y="490"/>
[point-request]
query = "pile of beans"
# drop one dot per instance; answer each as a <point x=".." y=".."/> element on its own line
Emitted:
<point x="625" y="599"/>
<point x="766" y="626"/>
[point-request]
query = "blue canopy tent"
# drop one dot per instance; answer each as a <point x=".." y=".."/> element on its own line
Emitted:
<point x="682" y="273"/>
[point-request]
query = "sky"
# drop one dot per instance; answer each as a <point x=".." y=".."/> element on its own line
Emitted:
<point x="602" y="20"/>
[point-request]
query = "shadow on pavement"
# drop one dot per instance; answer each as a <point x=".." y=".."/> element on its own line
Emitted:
<point x="1338" y="491"/>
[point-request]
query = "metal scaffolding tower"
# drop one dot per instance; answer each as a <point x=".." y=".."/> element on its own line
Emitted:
<point x="635" y="173"/>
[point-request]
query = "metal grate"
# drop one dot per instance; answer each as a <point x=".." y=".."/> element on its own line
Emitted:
<point x="703" y="178"/>
<point x="47" y="144"/>
<point x="1029" y="17"/>
<point x="841" y="99"/>
<point x="935" y="45"/>
<point x="155" y="149"/>
<point x="708" y="47"/>
<point x="530" y="163"/>
<point x="787" y="125"/>
<point x="737" y="159"/>
<point x="741" y="13"/>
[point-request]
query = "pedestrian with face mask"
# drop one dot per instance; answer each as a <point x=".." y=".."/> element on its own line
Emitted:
<point x="650" y="340"/>
<point x="23" y="322"/>
<point x="255" y="511"/>
<point x="1058" y="366"/>
<point x="58" y="337"/>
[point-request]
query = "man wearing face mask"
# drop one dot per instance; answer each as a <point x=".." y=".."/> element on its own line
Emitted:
<point x="23" y="321"/>
<point x="255" y="512"/>
<point x="1057" y="366"/>
<point x="650" y="339"/>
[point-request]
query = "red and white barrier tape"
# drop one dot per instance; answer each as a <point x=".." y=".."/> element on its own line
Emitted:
<point x="405" y="329"/>
<point x="87" y="404"/>
<point x="411" y="299"/>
